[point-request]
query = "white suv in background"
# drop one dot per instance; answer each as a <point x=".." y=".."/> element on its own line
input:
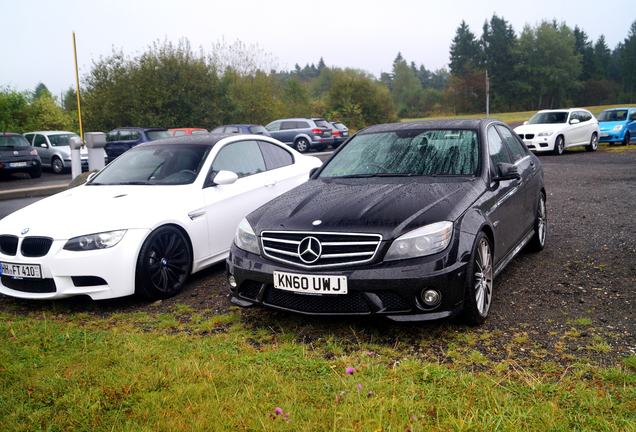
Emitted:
<point x="556" y="130"/>
<point x="54" y="149"/>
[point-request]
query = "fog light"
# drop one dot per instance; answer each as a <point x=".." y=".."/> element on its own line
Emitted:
<point x="431" y="297"/>
<point x="232" y="281"/>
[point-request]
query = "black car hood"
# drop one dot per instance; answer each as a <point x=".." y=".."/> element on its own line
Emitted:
<point x="388" y="206"/>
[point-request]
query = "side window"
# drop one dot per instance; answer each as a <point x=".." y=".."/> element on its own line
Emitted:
<point x="275" y="157"/>
<point x="217" y="130"/>
<point x="302" y="125"/>
<point x="179" y="133"/>
<point x="29" y="138"/>
<point x="231" y="129"/>
<point x="112" y="136"/>
<point x="586" y="116"/>
<point x="632" y="116"/>
<point x="496" y="149"/>
<point x="273" y="127"/>
<point x="134" y="136"/>
<point x="288" y="125"/>
<point x="242" y="157"/>
<point x="124" y="135"/>
<point x="514" y="146"/>
<point x="39" y="139"/>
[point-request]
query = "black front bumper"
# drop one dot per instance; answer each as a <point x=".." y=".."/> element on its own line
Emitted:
<point x="32" y="164"/>
<point x="389" y="289"/>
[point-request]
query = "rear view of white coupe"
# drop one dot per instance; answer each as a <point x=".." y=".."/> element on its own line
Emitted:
<point x="157" y="214"/>
<point x="555" y="130"/>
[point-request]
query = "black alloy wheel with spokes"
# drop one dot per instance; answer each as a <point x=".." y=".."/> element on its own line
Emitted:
<point x="164" y="263"/>
<point x="479" y="282"/>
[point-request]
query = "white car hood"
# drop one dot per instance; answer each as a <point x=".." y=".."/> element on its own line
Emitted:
<point x="538" y="128"/>
<point x="92" y="209"/>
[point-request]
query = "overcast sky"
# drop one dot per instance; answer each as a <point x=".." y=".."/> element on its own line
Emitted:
<point x="35" y="36"/>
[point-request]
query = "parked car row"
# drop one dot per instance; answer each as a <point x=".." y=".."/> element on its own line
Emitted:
<point x="411" y="221"/>
<point x="556" y="130"/>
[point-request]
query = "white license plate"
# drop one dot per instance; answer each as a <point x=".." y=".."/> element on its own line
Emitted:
<point x="310" y="284"/>
<point x="17" y="164"/>
<point x="604" y="135"/>
<point x="26" y="271"/>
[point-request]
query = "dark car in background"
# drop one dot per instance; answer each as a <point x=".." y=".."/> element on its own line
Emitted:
<point x="412" y="221"/>
<point x="249" y="129"/>
<point x="303" y="134"/>
<point x="17" y="155"/>
<point x="122" y="139"/>
<point x="340" y="133"/>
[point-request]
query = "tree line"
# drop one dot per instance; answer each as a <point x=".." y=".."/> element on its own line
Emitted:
<point x="171" y="85"/>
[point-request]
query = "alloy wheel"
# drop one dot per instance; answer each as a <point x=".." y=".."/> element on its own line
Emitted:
<point x="302" y="145"/>
<point x="167" y="261"/>
<point x="483" y="277"/>
<point x="594" y="142"/>
<point x="57" y="165"/>
<point x="542" y="223"/>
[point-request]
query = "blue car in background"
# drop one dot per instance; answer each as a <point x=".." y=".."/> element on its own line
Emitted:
<point x="123" y="139"/>
<point x="617" y="125"/>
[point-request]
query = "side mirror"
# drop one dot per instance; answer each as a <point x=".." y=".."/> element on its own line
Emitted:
<point x="313" y="171"/>
<point x="575" y="121"/>
<point x="44" y="145"/>
<point x="525" y="123"/>
<point x="225" y="178"/>
<point x="90" y="177"/>
<point x="507" y="172"/>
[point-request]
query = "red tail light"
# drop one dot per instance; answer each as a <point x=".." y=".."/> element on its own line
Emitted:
<point x="336" y="133"/>
<point x="316" y="131"/>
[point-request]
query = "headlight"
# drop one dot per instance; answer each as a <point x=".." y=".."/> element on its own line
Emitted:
<point x="423" y="241"/>
<point x="617" y="128"/>
<point x="245" y="238"/>
<point x="102" y="240"/>
<point x="545" y="133"/>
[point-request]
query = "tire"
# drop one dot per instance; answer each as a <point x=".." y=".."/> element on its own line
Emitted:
<point x="593" y="145"/>
<point x="537" y="242"/>
<point x="57" y="165"/>
<point x="302" y="145"/>
<point x="559" y="146"/>
<point x="36" y="172"/>
<point x="479" y="282"/>
<point x="627" y="139"/>
<point x="164" y="264"/>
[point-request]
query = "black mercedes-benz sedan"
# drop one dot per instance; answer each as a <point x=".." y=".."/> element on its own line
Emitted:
<point x="412" y="221"/>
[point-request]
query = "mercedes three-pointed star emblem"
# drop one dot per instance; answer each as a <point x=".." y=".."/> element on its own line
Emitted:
<point x="309" y="250"/>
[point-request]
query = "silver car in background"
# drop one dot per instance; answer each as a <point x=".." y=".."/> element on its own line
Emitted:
<point x="54" y="149"/>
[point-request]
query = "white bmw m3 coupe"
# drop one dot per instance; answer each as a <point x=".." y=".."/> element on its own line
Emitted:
<point x="143" y="224"/>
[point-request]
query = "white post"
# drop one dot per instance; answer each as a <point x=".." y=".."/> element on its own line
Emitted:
<point x="95" y="141"/>
<point x="76" y="160"/>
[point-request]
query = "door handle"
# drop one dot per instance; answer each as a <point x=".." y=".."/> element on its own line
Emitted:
<point x="268" y="185"/>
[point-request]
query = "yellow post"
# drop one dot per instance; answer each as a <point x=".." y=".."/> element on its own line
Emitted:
<point x="79" y="107"/>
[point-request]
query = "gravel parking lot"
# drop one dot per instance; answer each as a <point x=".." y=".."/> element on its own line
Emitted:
<point x="576" y="298"/>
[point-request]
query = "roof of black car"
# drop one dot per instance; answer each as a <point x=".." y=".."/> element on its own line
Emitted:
<point x="208" y="139"/>
<point x="427" y="124"/>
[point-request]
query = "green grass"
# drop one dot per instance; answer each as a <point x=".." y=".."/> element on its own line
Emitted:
<point x="164" y="371"/>
<point x="512" y="117"/>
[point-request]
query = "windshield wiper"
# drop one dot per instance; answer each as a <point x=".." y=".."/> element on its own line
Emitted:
<point x="126" y="183"/>
<point x="375" y="175"/>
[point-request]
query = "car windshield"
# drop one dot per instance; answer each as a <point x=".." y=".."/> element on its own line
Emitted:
<point x="154" y="165"/>
<point x="429" y="152"/>
<point x="612" y="115"/>
<point x="13" y="141"/>
<point x="549" y="117"/>
<point x="61" y="139"/>
<point x="199" y="132"/>
<point x="157" y="134"/>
